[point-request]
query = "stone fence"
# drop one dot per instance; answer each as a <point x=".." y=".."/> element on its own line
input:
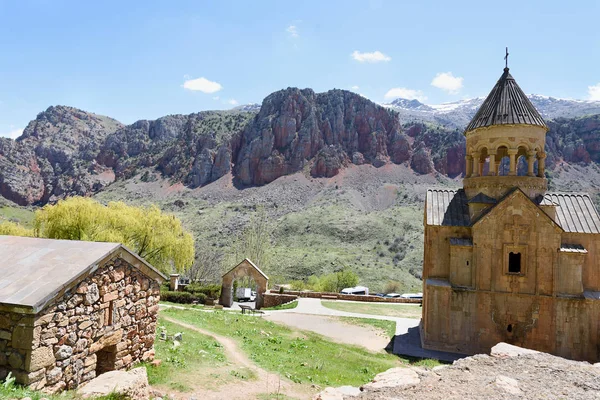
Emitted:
<point x="353" y="297"/>
<point x="275" y="299"/>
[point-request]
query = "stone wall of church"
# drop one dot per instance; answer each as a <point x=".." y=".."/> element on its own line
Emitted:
<point x="106" y="322"/>
<point x="471" y="322"/>
<point x="540" y="307"/>
<point x="591" y="265"/>
<point x="436" y="260"/>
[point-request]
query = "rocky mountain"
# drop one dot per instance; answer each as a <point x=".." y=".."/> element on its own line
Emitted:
<point x="55" y="156"/>
<point x="323" y="131"/>
<point x="458" y="114"/>
<point x="66" y="151"/>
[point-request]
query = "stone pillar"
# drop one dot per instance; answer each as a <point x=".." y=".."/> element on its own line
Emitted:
<point x="530" y="162"/>
<point x="512" y="154"/>
<point x="469" y="166"/>
<point x="476" y="164"/>
<point x="174" y="282"/>
<point x="492" y="169"/>
<point x="542" y="165"/>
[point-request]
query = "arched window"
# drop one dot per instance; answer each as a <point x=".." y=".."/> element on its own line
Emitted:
<point x="522" y="161"/>
<point x="503" y="161"/>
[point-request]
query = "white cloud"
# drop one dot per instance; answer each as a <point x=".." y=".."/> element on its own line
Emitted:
<point x="354" y="87"/>
<point x="447" y="82"/>
<point x="594" y="92"/>
<point x="233" y="102"/>
<point x="293" y="31"/>
<point x="15" y="133"/>
<point x="216" y="98"/>
<point x="373" y="57"/>
<point x="202" y="85"/>
<point x="405" y="93"/>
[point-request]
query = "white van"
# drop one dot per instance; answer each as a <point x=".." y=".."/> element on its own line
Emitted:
<point x="359" y="290"/>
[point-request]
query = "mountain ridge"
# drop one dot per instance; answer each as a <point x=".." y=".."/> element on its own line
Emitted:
<point x="66" y="151"/>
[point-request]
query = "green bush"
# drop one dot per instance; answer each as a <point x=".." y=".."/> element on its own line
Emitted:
<point x="201" y="298"/>
<point x="177" y="297"/>
<point x="213" y="291"/>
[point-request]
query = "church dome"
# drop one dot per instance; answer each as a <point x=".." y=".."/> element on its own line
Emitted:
<point x="506" y="105"/>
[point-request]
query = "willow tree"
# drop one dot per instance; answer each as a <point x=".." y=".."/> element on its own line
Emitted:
<point x="10" y="228"/>
<point x="158" y="238"/>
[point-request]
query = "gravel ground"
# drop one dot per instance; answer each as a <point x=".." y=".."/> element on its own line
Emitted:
<point x="531" y="376"/>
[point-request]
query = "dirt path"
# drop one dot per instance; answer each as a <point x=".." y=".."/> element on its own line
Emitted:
<point x="339" y="331"/>
<point x="266" y="382"/>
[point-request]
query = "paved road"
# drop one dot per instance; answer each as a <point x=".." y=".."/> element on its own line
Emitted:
<point x="406" y="342"/>
<point x="314" y="307"/>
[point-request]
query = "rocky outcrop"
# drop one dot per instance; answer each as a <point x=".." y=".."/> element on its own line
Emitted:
<point x="296" y="127"/>
<point x="509" y="372"/>
<point x="131" y="384"/>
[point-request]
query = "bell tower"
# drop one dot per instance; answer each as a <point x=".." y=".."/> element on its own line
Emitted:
<point x="506" y="133"/>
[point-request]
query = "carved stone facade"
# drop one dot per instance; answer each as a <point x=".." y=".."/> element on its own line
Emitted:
<point x="505" y="261"/>
<point x="104" y="320"/>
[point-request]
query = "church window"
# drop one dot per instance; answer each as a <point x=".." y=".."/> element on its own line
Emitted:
<point x="514" y="263"/>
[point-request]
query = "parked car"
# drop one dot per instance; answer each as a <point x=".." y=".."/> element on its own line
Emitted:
<point x="380" y="294"/>
<point x="358" y="290"/>
<point x="418" y="296"/>
<point x="393" y="295"/>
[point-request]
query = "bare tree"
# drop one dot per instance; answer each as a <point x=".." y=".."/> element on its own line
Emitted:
<point x="208" y="266"/>
<point x="254" y="242"/>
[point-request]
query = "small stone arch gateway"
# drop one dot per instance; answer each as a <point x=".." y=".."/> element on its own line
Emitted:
<point x="245" y="268"/>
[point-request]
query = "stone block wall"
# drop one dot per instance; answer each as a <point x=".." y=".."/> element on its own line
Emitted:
<point x="352" y="297"/>
<point x="273" y="299"/>
<point x="106" y="322"/>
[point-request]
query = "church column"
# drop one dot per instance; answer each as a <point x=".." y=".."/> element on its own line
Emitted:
<point x="469" y="166"/>
<point x="542" y="165"/>
<point x="530" y="162"/>
<point x="492" y="169"/>
<point x="476" y="164"/>
<point x="512" y="154"/>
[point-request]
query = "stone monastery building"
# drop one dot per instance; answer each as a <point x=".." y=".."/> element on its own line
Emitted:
<point x="505" y="260"/>
<point x="71" y="310"/>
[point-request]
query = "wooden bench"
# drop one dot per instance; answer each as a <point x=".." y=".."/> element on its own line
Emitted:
<point x="250" y="309"/>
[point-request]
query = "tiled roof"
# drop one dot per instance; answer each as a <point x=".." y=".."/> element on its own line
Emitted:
<point x="447" y="207"/>
<point x="483" y="199"/>
<point x="575" y="212"/>
<point x="506" y="105"/>
<point x="572" y="248"/>
<point x="34" y="270"/>
<point x="461" y="242"/>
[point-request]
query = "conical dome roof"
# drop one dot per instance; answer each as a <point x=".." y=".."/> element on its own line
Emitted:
<point x="506" y="105"/>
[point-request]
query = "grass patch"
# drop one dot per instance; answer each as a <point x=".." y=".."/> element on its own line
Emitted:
<point x="273" y="396"/>
<point x="390" y="310"/>
<point x="388" y="327"/>
<point x="188" y="364"/>
<point x="23" y="216"/>
<point x="11" y="390"/>
<point x="302" y="357"/>
<point x="286" y="306"/>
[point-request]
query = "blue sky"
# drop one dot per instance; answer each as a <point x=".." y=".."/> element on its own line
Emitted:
<point x="141" y="60"/>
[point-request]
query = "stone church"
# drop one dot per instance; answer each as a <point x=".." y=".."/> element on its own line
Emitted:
<point x="505" y="260"/>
